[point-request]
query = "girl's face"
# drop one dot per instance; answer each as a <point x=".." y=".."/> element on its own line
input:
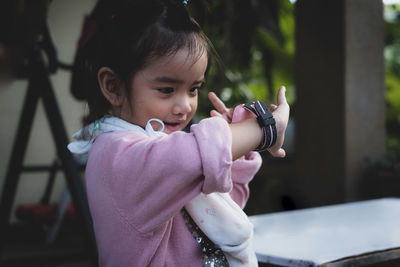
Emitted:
<point x="166" y="89"/>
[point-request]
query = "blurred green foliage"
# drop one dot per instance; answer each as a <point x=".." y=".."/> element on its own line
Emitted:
<point x="392" y="77"/>
<point x="254" y="41"/>
<point x="255" y="45"/>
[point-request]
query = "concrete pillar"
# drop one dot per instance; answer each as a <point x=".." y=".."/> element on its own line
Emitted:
<point x="364" y="94"/>
<point x="339" y="109"/>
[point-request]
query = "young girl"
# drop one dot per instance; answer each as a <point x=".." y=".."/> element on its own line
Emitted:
<point x="152" y="188"/>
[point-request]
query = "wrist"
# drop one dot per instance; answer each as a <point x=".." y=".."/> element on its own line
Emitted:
<point x="246" y="136"/>
<point x="266" y="122"/>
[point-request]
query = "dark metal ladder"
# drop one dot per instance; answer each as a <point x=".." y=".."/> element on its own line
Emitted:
<point x="40" y="87"/>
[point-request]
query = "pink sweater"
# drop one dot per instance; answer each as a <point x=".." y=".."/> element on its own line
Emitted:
<point x="138" y="185"/>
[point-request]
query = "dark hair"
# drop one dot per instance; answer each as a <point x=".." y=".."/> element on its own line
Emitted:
<point x="125" y="35"/>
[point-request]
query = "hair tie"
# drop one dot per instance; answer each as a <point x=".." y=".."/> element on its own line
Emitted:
<point x="88" y="30"/>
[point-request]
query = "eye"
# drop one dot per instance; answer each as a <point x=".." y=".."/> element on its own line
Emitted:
<point x="166" y="90"/>
<point x="194" y="89"/>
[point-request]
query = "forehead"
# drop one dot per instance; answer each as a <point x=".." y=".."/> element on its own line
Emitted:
<point x="182" y="61"/>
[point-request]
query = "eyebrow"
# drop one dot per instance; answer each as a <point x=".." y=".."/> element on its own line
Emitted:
<point x="166" y="79"/>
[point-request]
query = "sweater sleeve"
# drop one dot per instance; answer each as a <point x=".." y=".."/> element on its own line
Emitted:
<point x="149" y="180"/>
<point x="243" y="171"/>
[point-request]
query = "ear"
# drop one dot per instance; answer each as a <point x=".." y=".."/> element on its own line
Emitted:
<point x="110" y="86"/>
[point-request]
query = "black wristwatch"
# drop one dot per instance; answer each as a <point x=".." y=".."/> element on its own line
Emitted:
<point x="266" y="122"/>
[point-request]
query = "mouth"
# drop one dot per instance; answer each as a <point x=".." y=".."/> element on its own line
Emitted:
<point x="172" y="123"/>
<point x="173" y="126"/>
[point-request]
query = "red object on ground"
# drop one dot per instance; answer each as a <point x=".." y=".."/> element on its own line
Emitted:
<point x="43" y="214"/>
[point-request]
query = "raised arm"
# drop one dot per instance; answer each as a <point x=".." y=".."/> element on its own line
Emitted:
<point x="247" y="135"/>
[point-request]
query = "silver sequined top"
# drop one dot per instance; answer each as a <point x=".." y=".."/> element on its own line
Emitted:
<point x="212" y="255"/>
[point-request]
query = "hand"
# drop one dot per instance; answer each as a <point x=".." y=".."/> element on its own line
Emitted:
<point x="220" y="109"/>
<point x="281" y="116"/>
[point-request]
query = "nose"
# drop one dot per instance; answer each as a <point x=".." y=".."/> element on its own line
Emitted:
<point x="182" y="105"/>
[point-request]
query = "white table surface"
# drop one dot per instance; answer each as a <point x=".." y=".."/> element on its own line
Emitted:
<point x="311" y="237"/>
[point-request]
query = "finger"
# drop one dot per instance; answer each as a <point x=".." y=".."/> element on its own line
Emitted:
<point x="227" y="117"/>
<point x="280" y="153"/>
<point x="281" y="95"/>
<point x="272" y="107"/>
<point x="215" y="113"/>
<point x="217" y="103"/>
<point x="230" y="113"/>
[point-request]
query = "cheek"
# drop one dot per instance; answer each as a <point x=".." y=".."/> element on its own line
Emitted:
<point x="158" y="110"/>
<point x="194" y="104"/>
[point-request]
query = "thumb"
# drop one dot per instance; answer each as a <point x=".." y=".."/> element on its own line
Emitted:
<point x="281" y="97"/>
